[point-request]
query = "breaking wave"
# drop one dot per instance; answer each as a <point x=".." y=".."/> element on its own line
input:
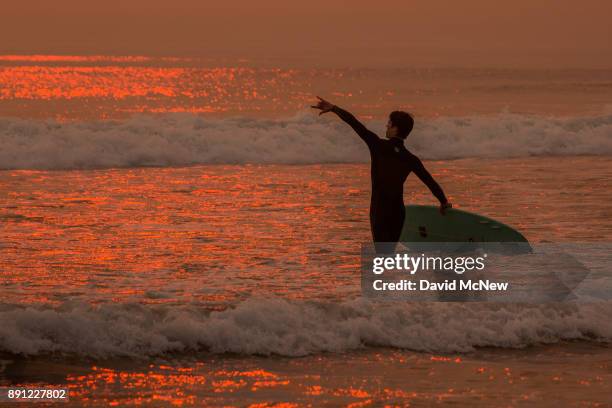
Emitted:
<point x="186" y="139"/>
<point x="293" y="328"/>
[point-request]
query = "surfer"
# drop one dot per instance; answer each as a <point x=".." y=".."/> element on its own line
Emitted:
<point x="391" y="165"/>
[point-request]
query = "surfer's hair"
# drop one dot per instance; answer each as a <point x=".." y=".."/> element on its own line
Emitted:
<point x="403" y="121"/>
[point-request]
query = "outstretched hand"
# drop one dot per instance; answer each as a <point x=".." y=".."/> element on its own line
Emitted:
<point x="323" y="105"/>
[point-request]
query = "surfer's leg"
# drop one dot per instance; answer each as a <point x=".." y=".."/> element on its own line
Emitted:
<point x="387" y="228"/>
<point x="397" y="224"/>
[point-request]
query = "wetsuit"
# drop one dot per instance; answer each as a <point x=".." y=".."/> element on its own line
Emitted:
<point x="391" y="164"/>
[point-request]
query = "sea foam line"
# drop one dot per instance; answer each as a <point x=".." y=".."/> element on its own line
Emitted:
<point x="293" y="328"/>
<point x="186" y="139"/>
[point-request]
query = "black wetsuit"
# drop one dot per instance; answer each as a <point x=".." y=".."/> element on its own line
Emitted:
<point x="391" y="164"/>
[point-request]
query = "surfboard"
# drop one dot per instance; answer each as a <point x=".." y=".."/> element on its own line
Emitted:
<point x="424" y="223"/>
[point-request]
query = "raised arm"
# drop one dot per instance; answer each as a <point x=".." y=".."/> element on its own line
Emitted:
<point x="428" y="180"/>
<point x="367" y="135"/>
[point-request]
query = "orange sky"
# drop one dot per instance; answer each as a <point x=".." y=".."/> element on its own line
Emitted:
<point x="383" y="32"/>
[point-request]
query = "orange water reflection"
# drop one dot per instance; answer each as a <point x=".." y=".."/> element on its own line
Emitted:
<point x="215" y="235"/>
<point x="366" y="378"/>
<point x="101" y="87"/>
<point x="200" y="383"/>
<point x="172" y="235"/>
<point x="101" y="91"/>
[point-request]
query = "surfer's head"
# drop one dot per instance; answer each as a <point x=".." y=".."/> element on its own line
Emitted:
<point x="400" y="124"/>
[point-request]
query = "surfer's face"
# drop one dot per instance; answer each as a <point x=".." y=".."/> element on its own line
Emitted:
<point x="391" y="130"/>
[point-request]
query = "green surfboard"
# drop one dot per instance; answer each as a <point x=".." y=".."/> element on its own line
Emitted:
<point x="424" y="223"/>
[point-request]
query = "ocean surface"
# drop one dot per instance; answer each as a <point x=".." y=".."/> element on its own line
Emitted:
<point x="180" y="231"/>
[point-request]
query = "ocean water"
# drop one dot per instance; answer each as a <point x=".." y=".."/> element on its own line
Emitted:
<point x="156" y="252"/>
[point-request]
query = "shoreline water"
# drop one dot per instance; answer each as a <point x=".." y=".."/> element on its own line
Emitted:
<point x="533" y="376"/>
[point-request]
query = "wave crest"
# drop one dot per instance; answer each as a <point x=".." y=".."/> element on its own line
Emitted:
<point x="185" y="139"/>
<point x="294" y="328"/>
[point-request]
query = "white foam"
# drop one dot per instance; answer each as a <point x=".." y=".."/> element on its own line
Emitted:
<point x="185" y="139"/>
<point x="294" y="328"/>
